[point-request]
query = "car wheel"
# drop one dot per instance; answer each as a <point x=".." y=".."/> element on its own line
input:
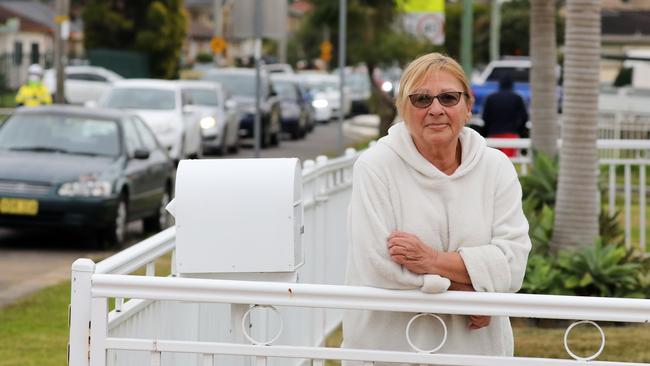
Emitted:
<point x="161" y="219"/>
<point x="114" y="235"/>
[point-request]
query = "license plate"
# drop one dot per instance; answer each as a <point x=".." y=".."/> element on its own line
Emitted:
<point x="18" y="206"/>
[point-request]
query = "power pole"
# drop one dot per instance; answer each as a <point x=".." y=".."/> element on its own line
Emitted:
<point x="217" y="15"/>
<point x="495" y="30"/>
<point x="61" y="35"/>
<point x="466" y="37"/>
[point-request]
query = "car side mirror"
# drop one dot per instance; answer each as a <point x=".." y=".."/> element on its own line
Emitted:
<point x="141" y="154"/>
<point x="231" y="104"/>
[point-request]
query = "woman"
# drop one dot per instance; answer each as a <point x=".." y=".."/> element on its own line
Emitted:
<point x="433" y="208"/>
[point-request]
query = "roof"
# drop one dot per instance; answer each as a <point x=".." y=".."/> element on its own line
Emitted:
<point x="101" y="113"/>
<point x="34" y="12"/>
<point x="199" y="84"/>
<point x="147" y="83"/>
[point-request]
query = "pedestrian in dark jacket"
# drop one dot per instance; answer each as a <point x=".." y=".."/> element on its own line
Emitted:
<point x="504" y="113"/>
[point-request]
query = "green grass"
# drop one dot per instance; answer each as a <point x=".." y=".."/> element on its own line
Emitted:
<point x="623" y="343"/>
<point x="7" y="99"/>
<point x="34" y="330"/>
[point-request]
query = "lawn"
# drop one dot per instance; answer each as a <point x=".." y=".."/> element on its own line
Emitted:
<point x="34" y="330"/>
<point x="623" y="343"/>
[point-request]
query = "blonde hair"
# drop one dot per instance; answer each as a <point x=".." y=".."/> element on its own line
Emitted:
<point x="424" y="65"/>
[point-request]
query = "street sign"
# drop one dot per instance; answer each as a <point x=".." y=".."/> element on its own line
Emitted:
<point x="217" y="44"/>
<point x="424" y="18"/>
<point x="326" y="51"/>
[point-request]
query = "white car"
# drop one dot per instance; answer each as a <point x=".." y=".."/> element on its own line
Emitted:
<point x="82" y="83"/>
<point x="219" y="116"/>
<point x="160" y="104"/>
<point x="326" y="96"/>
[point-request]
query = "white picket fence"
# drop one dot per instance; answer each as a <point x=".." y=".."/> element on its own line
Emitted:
<point x="189" y="321"/>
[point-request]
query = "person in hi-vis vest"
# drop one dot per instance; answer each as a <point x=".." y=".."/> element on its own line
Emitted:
<point x="33" y="93"/>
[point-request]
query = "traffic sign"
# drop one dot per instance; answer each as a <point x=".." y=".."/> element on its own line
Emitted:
<point x="217" y="44"/>
<point x="326" y="51"/>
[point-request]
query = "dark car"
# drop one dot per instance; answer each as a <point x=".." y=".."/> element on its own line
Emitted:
<point x="240" y="84"/>
<point x="295" y="113"/>
<point x="85" y="169"/>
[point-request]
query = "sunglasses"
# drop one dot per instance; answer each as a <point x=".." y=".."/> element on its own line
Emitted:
<point x="446" y="99"/>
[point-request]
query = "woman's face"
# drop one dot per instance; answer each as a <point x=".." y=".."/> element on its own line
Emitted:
<point x="436" y="124"/>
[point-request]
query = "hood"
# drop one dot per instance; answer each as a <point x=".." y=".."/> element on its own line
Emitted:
<point x="399" y="140"/>
<point x="50" y="168"/>
<point x="161" y="122"/>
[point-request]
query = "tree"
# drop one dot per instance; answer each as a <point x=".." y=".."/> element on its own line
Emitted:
<point x="543" y="106"/>
<point x="154" y="27"/>
<point x="577" y="203"/>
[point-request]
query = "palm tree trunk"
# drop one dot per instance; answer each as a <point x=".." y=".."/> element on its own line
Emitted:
<point x="543" y="54"/>
<point x="577" y="202"/>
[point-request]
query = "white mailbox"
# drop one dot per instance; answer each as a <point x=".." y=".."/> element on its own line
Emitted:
<point x="238" y="216"/>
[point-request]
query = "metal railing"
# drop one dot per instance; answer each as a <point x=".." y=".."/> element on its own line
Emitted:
<point x="198" y="321"/>
<point x="630" y="156"/>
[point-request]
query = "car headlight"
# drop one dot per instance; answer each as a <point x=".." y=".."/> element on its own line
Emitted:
<point x="319" y="103"/>
<point x="85" y="188"/>
<point x="208" y="122"/>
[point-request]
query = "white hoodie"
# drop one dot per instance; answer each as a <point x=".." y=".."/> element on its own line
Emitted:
<point x="476" y="211"/>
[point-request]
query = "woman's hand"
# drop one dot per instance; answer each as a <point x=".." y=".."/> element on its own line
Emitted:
<point x="474" y="321"/>
<point x="479" y="321"/>
<point x="408" y="250"/>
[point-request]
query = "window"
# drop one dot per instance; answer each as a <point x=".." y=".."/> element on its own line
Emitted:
<point x="131" y="137"/>
<point x="141" y="98"/>
<point x="147" y="137"/>
<point x="70" y="134"/>
<point x="35" y="55"/>
<point x="85" y="77"/>
<point x="18" y="53"/>
<point x="203" y="96"/>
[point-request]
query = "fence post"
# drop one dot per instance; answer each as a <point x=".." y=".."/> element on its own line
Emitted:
<point x="79" y="312"/>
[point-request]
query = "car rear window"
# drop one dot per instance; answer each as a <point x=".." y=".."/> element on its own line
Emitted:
<point x="203" y="97"/>
<point x="516" y="74"/>
<point x="140" y="98"/>
<point x="237" y="84"/>
<point x="65" y="134"/>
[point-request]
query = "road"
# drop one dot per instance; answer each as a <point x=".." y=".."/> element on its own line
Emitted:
<point x="32" y="259"/>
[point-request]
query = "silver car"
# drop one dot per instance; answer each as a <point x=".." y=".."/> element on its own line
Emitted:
<point x="219" y="115"/>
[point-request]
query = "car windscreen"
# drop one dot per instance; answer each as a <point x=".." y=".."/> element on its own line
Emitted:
<point x="203" y="97"/>
<point x="60" y="133"/>
<point x="323" y="85"/>
<point x="140" y="98"/>
<point x="236" y="84"/>
<point x="286" y="89"/>
<point x="516" y="74"/>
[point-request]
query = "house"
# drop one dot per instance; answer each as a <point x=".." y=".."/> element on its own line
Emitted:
<point x="26" y="37"/>
<point x="625" y="26"/>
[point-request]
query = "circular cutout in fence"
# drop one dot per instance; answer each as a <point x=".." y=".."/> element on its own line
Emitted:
<point x="244" y="325"/>
<point x="576" y="357"/>
<point x="408" y="333"/>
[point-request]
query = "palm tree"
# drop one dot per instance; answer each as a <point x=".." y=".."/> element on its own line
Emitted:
<point x="543" y="54"/>
<point x="577" y="202"/>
